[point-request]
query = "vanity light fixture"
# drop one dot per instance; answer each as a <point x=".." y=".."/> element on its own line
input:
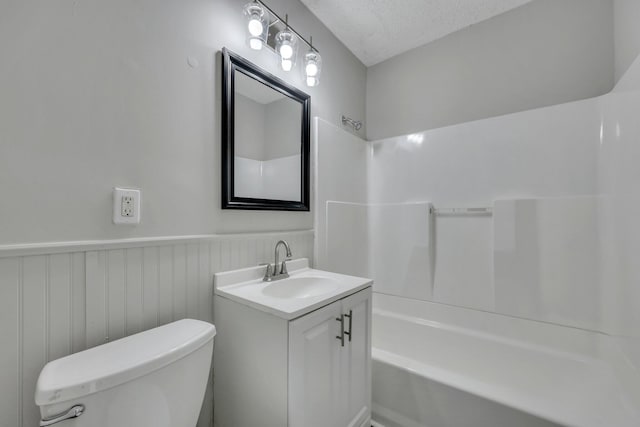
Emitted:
<point x="312" y="65"/>
<point x="257" y="24"/>
<point x="286" y="46"/>
<point x="260" y="18"/>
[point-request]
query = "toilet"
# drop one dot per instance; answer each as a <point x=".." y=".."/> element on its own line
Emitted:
<point x="154" y="378"/>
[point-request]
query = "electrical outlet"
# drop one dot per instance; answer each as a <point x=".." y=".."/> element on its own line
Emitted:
<point x="126" y="206"/>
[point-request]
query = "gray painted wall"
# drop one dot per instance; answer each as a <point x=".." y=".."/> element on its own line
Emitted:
<point x="249" y="134"/>
<point x="267" y="131"/>
<point x="627" y="34"/>
<point x="283" y="129"/>
<point x="544" y="53"/>
<point x="97" y="94"/>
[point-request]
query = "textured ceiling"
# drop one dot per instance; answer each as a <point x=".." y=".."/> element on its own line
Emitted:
<point x="375" y="30"/>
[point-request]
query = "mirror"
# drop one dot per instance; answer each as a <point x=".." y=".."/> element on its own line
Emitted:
<point x="265" y="139"/>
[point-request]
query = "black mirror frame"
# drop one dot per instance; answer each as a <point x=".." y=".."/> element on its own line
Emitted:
<point x="230" y="63"/>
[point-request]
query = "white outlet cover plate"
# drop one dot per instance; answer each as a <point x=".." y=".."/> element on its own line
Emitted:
<point x="118" y="194"/>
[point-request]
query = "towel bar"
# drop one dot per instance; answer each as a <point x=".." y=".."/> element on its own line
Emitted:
<point x="473" y="211"/>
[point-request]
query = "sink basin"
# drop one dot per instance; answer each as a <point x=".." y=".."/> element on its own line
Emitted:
<point x="300" y="287"/>
<point x="305" y="290"/>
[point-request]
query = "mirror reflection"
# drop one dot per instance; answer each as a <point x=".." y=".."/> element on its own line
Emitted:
<point x="268" y="149"/>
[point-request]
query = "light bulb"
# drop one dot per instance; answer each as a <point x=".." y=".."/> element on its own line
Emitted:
<point x="286" y="64"/>
<point x="311" y="69"/>
<point x="255" y="43"/>
<point x="255" y="26"/>
<point x="286" y="51"/>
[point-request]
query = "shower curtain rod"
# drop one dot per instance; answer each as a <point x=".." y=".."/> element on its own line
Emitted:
<point x="356" y="124"/>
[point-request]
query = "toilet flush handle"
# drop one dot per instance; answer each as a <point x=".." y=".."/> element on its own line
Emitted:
<point x="74" y="412"/>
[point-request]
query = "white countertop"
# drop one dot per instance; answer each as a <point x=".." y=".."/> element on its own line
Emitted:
<point x="246" y="286"/>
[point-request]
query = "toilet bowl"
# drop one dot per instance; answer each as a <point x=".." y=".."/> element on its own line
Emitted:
<point x="154" y="378"/>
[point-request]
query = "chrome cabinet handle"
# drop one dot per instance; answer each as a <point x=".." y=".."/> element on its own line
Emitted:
<point x="74" y="412"/>
<point x="350" y="316"/>
<point x="341" y="336"/>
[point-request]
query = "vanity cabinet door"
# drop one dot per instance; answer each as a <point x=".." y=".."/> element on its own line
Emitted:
<point x="356" y="360"/>
<point x="315" y="359"/>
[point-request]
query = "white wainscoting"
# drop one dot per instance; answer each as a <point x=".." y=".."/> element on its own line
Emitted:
<point x="57" y="299"/>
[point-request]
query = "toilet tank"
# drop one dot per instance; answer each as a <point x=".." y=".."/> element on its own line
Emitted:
<point x="154" y="378"/>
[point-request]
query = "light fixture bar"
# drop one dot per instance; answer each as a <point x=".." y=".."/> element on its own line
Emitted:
<point x="289" y="26"/>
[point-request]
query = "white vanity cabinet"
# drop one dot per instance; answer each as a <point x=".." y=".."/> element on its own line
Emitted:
<point x="270" y="371"/>
<point x="330" y="365"/>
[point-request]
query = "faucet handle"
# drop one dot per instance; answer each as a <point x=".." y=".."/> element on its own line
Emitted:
<point x="283" y="268"/>
<point x="269" y="273"/>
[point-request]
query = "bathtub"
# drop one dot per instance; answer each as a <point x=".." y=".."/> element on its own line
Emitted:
<point x="441" y="366"/>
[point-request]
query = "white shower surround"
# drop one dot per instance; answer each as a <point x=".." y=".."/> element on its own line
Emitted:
<point x="276" y="179"/>
<point x="565" y="159"/>
<point x="493" y="370"/>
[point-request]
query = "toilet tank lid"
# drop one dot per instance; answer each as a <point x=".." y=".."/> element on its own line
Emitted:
<point x="120" y="361"/>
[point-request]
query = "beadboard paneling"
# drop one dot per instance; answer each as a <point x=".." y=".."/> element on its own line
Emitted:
<point x="11" y="333"/>
<point x="53" y="303"/>
<point x="41" y="318"/>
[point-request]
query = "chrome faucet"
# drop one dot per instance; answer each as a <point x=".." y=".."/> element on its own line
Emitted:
<point x="274" y="274"/>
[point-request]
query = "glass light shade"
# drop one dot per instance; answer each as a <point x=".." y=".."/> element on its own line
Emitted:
<point x="257" y="24"/>
<point x="255" y="43"/>
<point x="286" y="51"/>
<point x="286" y="46"/>
<point x="312" y="67"/>
<point x="286" y="64"/>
